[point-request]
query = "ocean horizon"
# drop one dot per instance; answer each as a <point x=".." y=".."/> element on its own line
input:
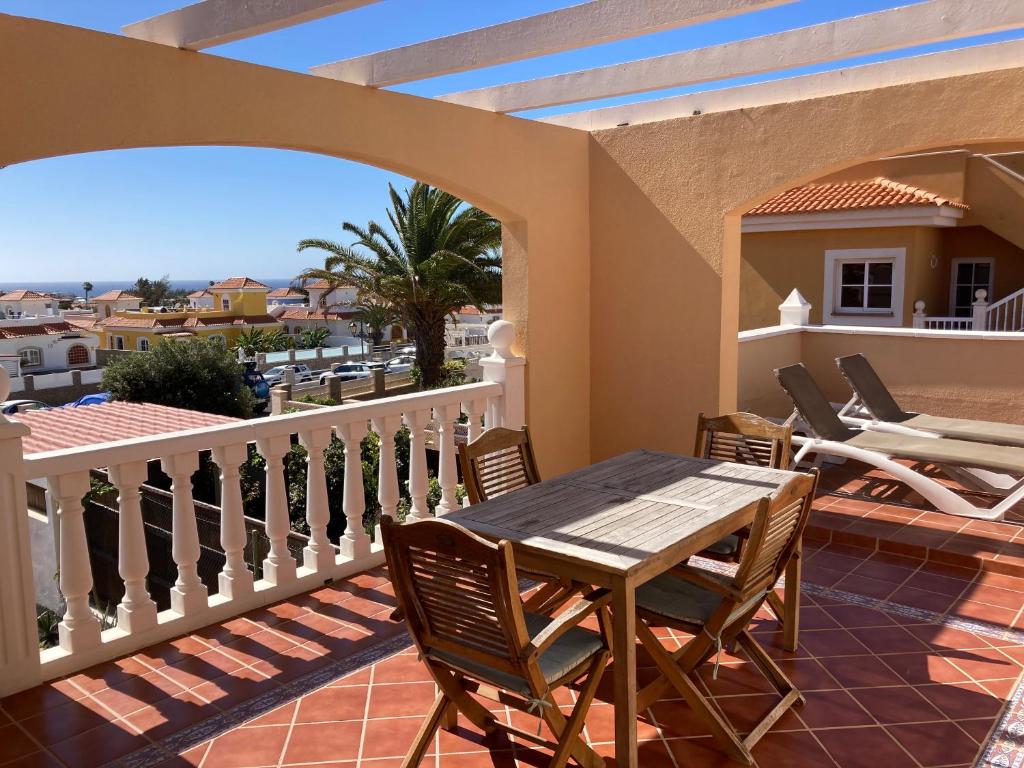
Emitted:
<point x="73" y="288"/>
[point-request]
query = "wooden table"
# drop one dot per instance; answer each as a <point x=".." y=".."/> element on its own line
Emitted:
<point x="618" y="524"/>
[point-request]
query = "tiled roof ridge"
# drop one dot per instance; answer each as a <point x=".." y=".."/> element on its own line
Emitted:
<point x="879" y="192"/>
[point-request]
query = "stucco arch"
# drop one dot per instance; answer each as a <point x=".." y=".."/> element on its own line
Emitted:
<point x="68" y="90"/>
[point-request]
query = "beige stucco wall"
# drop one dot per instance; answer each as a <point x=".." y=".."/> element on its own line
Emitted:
<point x="965" y="377"/>
<point x="67" y="90"/>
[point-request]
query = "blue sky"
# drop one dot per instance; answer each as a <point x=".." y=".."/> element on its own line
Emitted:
<point x="199" y="213"/>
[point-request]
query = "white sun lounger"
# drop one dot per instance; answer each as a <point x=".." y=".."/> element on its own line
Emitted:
<point x="831" y="437"/>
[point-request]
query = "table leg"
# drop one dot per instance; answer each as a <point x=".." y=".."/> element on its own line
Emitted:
<point x="791" y="600"/>
<point x="624" y="650"/>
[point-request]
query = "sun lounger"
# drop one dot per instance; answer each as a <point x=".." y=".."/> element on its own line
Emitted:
<point x="831" y="437"/>
<point x="872" y="394"/>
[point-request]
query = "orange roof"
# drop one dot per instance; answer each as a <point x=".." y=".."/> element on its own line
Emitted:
<point x="87" y="323"/>
<point x="94" y="424"/>
<point x="286" y="293"/>
<point x="199" y="322"/>
<point x="315" y="314"/>
<point x="22" y="295"/>
<point x="323" y="285"/>
<point x="42" y="329"/>
<point x="850" y="196"/>
<point x="199" y="294"/>
<point x="152" y="320"/>
<point x="236" y="283"/>
<point x="116" y="296"/>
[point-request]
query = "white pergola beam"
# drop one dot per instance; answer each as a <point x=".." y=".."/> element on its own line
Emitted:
<point x="924" y="23"/>
<point x="591" y="23"/>
<point x="885" y="74"/>
<point x="215" y="22"/>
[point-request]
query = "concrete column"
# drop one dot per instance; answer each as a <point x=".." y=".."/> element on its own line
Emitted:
<point x="795" y="310"/>
<point x="28" y="383"/>
<point x="979" y="310"/>
<point x="919" y="314"/>
<point x="508" y="370"/>
<point x="378" y="382"/>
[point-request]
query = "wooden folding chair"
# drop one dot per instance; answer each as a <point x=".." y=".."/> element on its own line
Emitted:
<point x="745" y="438"/>
<point x="501" y="460"/>
<point x="717" y="610"/>
<point x="460" y="597"/>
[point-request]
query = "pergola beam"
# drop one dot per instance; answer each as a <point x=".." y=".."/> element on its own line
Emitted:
<point x="215" y="22"/>
<point x="893" y="29"/>
<point x="579" y="26"/>
<point x="884" y="74"/>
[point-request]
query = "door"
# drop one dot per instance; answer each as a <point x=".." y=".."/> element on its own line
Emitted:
<point x="968" y="275"/>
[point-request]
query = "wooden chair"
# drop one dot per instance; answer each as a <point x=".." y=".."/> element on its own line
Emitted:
<point x="460" y="596"/>
<point x="716" y="610"/>
<point x="745" y="438"/>
<point x="500" y="461"/>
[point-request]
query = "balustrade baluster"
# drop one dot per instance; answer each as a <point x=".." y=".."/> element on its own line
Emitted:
<point x="235" y="579"/>
<point x="80" y="629"/>
<point x="355" y="543"/>
<point x="446" y="416"/>
<point x="136" y="611"/>
<point x="188" y="595"/>
<point x="418" y="483"/>
<point x="318" y="555"/>
<point x="279" y="565"/>
<point x="387" y="469"/>
<point x="474" y="410"/>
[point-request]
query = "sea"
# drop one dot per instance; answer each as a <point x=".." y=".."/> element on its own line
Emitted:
<point x="71" y="288"/>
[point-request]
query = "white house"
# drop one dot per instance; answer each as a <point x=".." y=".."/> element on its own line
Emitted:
<point x="342" y="297"/>
<point x="112" y="301"/>
<point x="25" y="303"/>
<point x="469" y="325"/>
<point x="200" y="299"/>
<point x="44" y="345"/>
<point x="288" y="297"/>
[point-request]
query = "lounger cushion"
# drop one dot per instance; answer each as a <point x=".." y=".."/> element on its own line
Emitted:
<point x="567" y="653"/>
<point x="940" y="450"/>
<point x="678" y="599"/>
<point x="993" y="432"/>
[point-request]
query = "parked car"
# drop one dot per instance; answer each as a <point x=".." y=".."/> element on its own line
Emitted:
<point x="349" y="371"/>
<point x="276" y="375"/>
<point x="257" y="384"/>
<point x="400" y="364"/>
<point x="17" y="406"/>
<point x="409" y="350"/>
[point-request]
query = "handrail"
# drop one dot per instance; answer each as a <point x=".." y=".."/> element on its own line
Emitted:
<point x="84" y="458"/>
<point x="1008" y="311"/>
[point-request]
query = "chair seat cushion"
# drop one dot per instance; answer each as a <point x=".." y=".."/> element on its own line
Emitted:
<point x="730" y="545"/>
<point x="567" y="653"/>
<point x="677" y="599"/>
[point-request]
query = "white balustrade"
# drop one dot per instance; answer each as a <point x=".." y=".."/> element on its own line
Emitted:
<point x="136" y="611"/>
<point x="499" y="399"/>
<point x="188" y="595"/>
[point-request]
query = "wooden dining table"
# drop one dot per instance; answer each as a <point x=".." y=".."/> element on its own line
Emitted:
<point x="618" y="524"/>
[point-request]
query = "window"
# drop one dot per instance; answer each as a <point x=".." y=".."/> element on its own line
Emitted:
<point x="142" y="344"/>
<point x="117" y="342"/>
<point x="225" y="303"/>
<point x="864" y="286"/>
<point x="968" y="276"/>
<point x="78" y="354"/>
<point x="30" y="357"/>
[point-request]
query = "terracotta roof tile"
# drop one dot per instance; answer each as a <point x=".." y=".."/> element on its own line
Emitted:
<point x="849" y="196"/>
<point x="152" y="321"/>
<point x="22" y="295"/>
<point x="315" y="314"/>
<point x="41" y="329"/>
<point x="199" y="294"/>
<point x="202" y="322"/>
<point x="94" y="424"/>
<point x="116" y="296"/>
<point x="234" y="283"/>
<point x="285" y="293"/>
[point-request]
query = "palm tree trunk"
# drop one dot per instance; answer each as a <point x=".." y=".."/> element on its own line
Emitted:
<point x="429" y="335"/>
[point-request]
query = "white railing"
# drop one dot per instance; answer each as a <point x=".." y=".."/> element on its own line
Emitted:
<point x="82" y="642"/>
<point x="949" y="323"/>
<point x="1007" y="314"/>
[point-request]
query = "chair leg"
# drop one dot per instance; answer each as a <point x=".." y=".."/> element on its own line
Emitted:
<point x="569" y="737"/>
<point x="450" y="721"/>
<point x="783" y="685"/>
<point x="461" y="700"/>
<point x="679" y="678"/>
<point x="787" y="609"/>
<point x="427" y="731"/>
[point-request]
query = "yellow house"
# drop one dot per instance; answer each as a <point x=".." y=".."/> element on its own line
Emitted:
<point x="239" y="303"/>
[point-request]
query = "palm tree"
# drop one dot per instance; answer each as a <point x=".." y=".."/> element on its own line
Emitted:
<point x="375" y="315"/>
<point x="314" y="337"/>
<point x="87" y="286"/>
<point x="442" y="255"/>
<point x="254" y="340"/>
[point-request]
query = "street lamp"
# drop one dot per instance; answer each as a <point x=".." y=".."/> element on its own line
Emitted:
<point x="362" y="337"/>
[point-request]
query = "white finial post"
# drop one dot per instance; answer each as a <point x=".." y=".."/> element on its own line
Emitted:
<point x="919" y="315"/>
<point x="979" y="310"/>
<point x="795" y="310"/>
<point x="505" y="368"/>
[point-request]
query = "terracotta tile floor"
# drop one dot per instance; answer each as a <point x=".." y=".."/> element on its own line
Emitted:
<point x="904" y="661"/>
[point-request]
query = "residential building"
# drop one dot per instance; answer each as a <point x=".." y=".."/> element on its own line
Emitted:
<point x="288" y="297"/>
<point x="322" y="295"/>
<point x="200" y="299"/>
<point x="47" y="344"/>
<point x="24" y="303"/>
<point x="238" y="303"/>
<point x="469" y="325"/>
<point x="109" y="303"/>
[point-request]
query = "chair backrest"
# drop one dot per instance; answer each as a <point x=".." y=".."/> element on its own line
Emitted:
<point x="865" y="381"/>
<point x="812" y="404"/>
<point x="774" y="535"/>
<point x="499" y="461"/>
<point x="743" y="438"/>
<point x="458" y="592"/>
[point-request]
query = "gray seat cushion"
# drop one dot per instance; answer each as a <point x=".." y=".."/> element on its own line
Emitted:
<point x="730" y="545"/>
<point x="678" y="599"/>
<point x="567" y="653"/>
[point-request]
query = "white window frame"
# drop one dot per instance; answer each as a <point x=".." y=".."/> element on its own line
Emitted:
<point x="833" y="314"/>
<point x="142" y="344"/>
<point x="27" y="362"/>
<point x="957" y="261"/>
